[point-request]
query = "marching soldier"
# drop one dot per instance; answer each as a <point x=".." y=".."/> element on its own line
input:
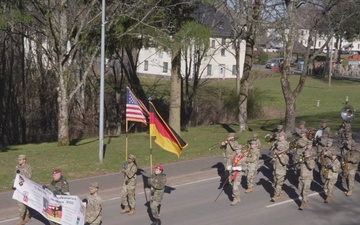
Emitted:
<point x="350" y="165"/>
<point x="331" y="173"/>
<point x="280" y="161"/>
<point x="256" y="138"/>
<point x="301" y="145"/>
<point x="128" y="189"/>
<point x="344" y="128"/>
<point x="298" y="130"/>
<point x="157" y="183"/>
<point x="26" y="170"/>
<point x="323" y="155"/>
<point x="93" y="205"/>
<point x="252" y="159"/>
<point x="306" y="174"/>
<point x="346" y="144"/>
<point x="325" y="128"/>
<point x="58" y="186"/>
<point x="238" y="168"/>
<point x="228" y="147"/>
<point x="273" y="137"/>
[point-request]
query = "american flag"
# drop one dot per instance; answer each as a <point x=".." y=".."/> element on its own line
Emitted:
<point x="135" y="109"/>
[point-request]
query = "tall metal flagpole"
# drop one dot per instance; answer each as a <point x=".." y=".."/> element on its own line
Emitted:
<point x="101" y="119"/>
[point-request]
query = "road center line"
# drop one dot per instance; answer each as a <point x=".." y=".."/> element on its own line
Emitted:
<point x="291" y="200"/>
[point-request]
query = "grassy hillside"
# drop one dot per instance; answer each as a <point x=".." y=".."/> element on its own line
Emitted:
<point x="81" y="160"/>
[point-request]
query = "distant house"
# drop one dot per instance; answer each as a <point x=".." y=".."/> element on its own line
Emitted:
<point x="219" y="61"/>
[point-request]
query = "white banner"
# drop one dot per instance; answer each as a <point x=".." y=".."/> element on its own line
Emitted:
<point x="62" y="209"/>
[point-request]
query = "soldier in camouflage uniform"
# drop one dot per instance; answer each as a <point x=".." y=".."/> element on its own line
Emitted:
<point x="26" y="170"/>
<point x="237" y="170"/>
<point x="351" y="161"/>
<point x="298" y="152"/>
<point x="258" y="143"/>
<point x="93" y="205"/>
<point x="298" y="130"/>
<point x="323" y="155"/>
<point x="252" y="160"/>
<point x="128" y="189"/>
<point x="228" y="147"/>
<point x="306" y="173"/>
<point x="344" y="128"/>
<point x="59" y="186"/>
<point x="345" y="146"/>
<point x="157" y="183"/>
<point x="332" y="169"/>
<point x="280" y="161"/>
<point x="273" y="137"/>
<point x="325" y="128"/>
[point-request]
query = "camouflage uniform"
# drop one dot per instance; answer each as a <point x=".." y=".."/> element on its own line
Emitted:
<point x="238" y="168"/>
<point x="128" y="189"/>
<point x="280" y="162"/>
<point x="333" y="167"/>
<point x="306" y="174"/>
<point x="93" y="207"/>
<point x="228" y="147"/>
<point x="58" y="187"/>
<point x="325" y="128"/>
<point x="274" y="135"/>
<point x="298" y="130"/>
<point x="258" y="143"/>
<point x="345" y="127"/>
<point x="157" y="183"/>
<point x="301" y="144"/>
<point x="252" y="160"/>
<point x="351" y="159"/>
<point x="25" y="170"/>
<point x="323" y="155"/>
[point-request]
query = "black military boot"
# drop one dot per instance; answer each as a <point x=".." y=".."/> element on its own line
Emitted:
<point x="158" y="222"/>
<point x="155" y="222"/>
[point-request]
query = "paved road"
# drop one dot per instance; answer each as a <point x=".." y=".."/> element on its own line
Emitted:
<point x="193" y="186"/>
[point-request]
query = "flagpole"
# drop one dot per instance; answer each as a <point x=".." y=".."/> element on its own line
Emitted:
<point x="126" y="139"/>
<point x="151" y="163"/>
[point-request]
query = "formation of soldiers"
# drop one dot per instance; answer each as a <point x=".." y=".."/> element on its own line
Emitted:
<point x="307" y="150"/>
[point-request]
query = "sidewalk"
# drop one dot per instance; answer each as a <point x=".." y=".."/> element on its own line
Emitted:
<point x="110" y="184"/>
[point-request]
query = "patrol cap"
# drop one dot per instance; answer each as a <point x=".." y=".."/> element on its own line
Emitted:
<point x="279" y="127"/>
<point x="282" y="133"/>
<point x="237" y="147"/>
<point x="302" y="132"/>
<point x="231" y="135"/>
<point x="253" y="142"/>
<point x="255" y="135"/>
<point x="324" y="121"/>
<point x="131" y="156"/>
<point x="353" y="144"/>
<point x="21" y="157"/>
<point x="348" y="135"/>
<point x="160" y="167"/>
<point x="302" y="122"/>
<point x="309" y="142"/>
<point x="55" y="171"/>
<point x="94" y="185"/>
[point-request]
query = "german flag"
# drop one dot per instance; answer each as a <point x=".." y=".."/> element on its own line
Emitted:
<point x="164" y="135"/>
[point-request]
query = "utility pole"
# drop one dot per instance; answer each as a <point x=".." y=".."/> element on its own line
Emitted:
<point x="101" y="117"/>
<point x="331" y="59"/>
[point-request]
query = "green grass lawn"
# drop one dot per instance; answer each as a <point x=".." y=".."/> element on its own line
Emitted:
<point x="81" y="160"/>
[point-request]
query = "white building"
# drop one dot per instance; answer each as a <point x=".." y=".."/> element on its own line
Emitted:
<point x="219" y="61"/>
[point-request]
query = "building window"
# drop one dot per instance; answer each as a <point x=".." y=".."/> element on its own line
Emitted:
<point x="213" y="43"/>
<point x="223" y="52"/>
<point x="146" y="65"/>
<point x="234" y="70"/>
<point x="208" y="70"/>
<point x="165" y="67"/>
<point x="223" y="42"/>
